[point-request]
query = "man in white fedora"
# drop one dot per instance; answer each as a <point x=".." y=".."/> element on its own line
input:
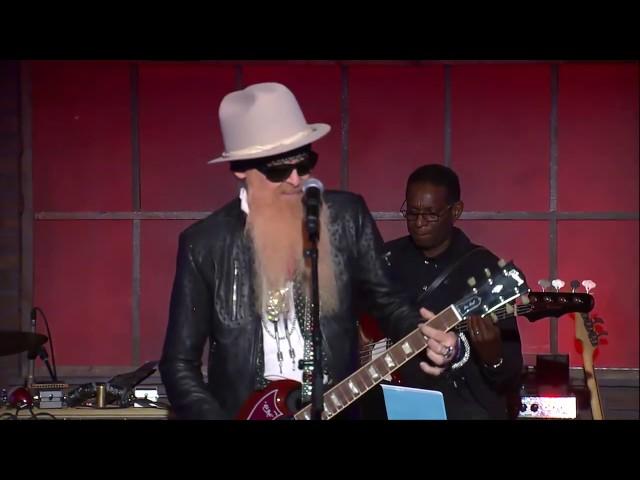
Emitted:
<point x="241" y="279"/>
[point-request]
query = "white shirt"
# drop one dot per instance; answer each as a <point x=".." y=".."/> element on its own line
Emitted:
<point x="289" y="365"/>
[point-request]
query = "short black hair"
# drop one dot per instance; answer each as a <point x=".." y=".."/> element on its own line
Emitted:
<point x="437" y="174"/>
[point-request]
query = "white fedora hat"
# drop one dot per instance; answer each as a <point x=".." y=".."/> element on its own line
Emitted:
<point x="263" y="120"/>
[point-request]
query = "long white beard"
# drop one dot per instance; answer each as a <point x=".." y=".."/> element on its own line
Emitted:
<point x="275" y="226"/>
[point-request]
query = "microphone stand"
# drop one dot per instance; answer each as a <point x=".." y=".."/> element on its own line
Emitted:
<point x="44" y="356"/>
<point x="32" y="355"/>
<point x="312" y="222"/>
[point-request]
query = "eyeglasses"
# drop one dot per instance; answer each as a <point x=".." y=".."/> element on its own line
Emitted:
<point x="279" y="173"/>
<point x="412" y="215"/>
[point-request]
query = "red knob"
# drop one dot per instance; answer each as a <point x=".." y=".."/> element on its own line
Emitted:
<point x="20" y="398"/>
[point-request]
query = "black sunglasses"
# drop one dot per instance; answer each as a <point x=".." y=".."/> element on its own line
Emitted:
<point x="279" y="173"/>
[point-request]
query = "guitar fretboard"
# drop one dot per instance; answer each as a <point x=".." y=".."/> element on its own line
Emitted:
<point x="351" y="388"/>
<point x="501" y="313"/>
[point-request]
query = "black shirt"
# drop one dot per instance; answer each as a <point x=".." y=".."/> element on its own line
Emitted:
<point x="474" y="390"/>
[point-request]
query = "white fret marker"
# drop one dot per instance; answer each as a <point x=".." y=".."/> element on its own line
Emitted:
<point x="335" y="400"/>
<point x="373" y="372"/>
<point x="389" y="360"/>
<point x="353" y="388"/>
<point x="407" y="348"/>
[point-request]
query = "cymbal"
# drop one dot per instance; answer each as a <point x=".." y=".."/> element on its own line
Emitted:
<point x="17" y="342"/>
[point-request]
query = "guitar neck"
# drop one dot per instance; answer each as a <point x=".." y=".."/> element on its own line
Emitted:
<point x="592" y="384"/>
<point x="366" y="350"/>
<point x="368" y="376"/>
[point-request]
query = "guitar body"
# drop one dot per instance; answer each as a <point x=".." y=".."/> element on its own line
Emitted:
<point x="276" y="402"/>
<point x="373" y="343"/>
<point x="369" y="331"/>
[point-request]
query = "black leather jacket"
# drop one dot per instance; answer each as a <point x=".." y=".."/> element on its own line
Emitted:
<point x="212" y="299"/>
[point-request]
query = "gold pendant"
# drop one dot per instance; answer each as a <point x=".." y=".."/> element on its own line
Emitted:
<point x="276" y="304"/>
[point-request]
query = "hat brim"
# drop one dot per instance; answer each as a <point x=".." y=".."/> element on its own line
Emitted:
<point x="317" y="131"/>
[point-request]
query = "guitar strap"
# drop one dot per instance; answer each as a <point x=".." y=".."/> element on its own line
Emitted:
<point x="446" y="272"/>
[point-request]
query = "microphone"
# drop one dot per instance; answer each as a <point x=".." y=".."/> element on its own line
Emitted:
<point x="312" y="200"/>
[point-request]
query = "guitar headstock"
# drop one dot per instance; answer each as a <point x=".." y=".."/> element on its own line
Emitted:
<point x="556" y="303"/>
<point x="586" y="331"/>
<point x="502" y="285"/>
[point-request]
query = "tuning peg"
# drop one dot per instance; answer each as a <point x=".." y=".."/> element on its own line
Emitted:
<point x="502" y="262"/>
<point x="494" y="317"/>
<point x="557" y="284"/>
<point x="471" y="281"/>
<point x="588" y="285"/>
<point x="575" y="284"/>
<point x="544" y="284"/>
<point x="509" y="308"/>
<point x="524" y="299"/>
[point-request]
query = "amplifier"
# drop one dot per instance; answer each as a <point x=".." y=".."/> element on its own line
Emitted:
<point x="546" y="392"/>
<point x="145" y="395"/>
<point x="50" y="395"/>
<point x="540" y="406"/>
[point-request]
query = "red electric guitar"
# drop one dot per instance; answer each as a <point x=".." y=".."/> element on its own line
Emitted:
<point x="497" y="290"/>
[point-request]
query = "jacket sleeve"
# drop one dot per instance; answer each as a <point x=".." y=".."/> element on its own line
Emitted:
<point x="187" y="332"/>
<point x="385" y="301"/>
